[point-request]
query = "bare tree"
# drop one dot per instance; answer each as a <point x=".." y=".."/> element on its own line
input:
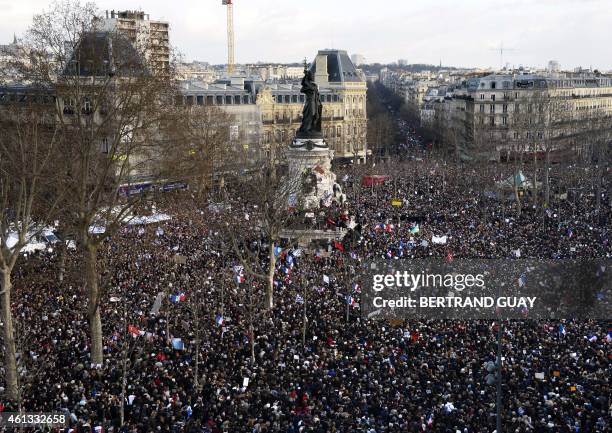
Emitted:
<point x="274" y="200"/>
<point x="202" y="150"/>
<point x="28" y="146"/>
<point x="110" y="103"/>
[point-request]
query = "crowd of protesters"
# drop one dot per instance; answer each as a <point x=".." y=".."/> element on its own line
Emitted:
<point x="212" y="359"/>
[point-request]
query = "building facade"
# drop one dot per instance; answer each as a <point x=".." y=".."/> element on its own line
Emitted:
<point x="533" y="113"/>
<point x="268" y="114"/>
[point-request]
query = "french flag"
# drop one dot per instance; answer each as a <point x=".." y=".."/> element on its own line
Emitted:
<point x="178" y="298"/>
<point x="430" y="420"/>
<point x="219" y="320"/>
<point x="240" y="278"/>
<point x="351" y="301"/>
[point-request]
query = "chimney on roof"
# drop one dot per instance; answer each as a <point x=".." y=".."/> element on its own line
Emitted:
<point x="321" y="74"/>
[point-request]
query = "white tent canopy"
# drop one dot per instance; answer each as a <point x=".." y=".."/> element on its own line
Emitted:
<point x="519" y="179"/>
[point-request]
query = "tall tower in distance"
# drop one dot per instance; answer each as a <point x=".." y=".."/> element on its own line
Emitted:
<point x="230" y="35"/>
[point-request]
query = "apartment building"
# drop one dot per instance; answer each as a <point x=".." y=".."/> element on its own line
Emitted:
<point x="532" y="112"/>
<point x="148" y="36"/>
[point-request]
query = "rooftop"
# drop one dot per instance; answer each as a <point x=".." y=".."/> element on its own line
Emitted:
<point x="339" y="67"/>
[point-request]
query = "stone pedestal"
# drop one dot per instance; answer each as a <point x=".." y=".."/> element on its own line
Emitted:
<point x="309" y="161"/>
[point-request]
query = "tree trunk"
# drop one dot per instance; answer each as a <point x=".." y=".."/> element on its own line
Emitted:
<point x="535" y="177"/>
<point x="10" y="361"/>
<point x="196" y="379"/>
<point x="517" y="195"/>
<point x="123" y="382"/>
<point x="546" y="179"/>
<point x="252" y="337"/>
<point x="93" y="304"/>
<point x="270" y="282"/>
<point x="63" y="250"/>
<point x="304" y="320"/>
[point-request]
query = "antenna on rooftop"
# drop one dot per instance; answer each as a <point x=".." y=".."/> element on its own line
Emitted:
<point x="501" y="49"/>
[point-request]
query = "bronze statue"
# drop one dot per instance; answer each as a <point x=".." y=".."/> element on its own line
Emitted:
<point x="311" y="115"/>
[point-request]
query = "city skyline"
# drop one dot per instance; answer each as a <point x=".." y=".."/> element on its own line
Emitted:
<point x="462" y="35"/>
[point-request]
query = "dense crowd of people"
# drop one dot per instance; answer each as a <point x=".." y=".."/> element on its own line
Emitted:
<point x="210" y="358"/>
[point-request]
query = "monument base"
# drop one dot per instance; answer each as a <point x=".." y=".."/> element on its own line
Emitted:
<point x="309" y="161"/>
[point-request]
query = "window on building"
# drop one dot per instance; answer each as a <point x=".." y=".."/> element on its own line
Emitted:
<point x="245" y="99"/>
<point x="491" y="108"/>
<point x="493" y="97"/>
<point x="200" y="100"/>
<point x="228" y="100"/>
<point x="505" y="108"/>
<point x="105" y="145"/>
<point x="516" y="135"/>
<point x="492" y="84"/>
<point x="505" y="120"/>
<point x="87" y="108"/>
<point x="210" y="99"/>
<point x="482" y="108"/>
<point x="516" y="108"/>
<point x="529" y="108"/>
<point x="219" y="100"/>
<point x="492" y="121"/>
<point x="482" y="95"/>
<point x="237" y="99"/>
<point x="294" y="98"/>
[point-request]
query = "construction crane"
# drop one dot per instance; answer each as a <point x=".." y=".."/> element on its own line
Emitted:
<point x="230" y="35"/>
<point x="501" y="51"/>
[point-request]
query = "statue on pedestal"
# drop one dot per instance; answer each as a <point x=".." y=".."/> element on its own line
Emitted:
<point x="311" y="115"/>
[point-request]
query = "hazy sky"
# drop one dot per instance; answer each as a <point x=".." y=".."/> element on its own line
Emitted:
<point x="460" y="32"/>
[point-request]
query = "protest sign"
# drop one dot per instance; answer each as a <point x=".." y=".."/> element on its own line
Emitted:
<point x="438" y="239"/>
<point x="179" y="260"/>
